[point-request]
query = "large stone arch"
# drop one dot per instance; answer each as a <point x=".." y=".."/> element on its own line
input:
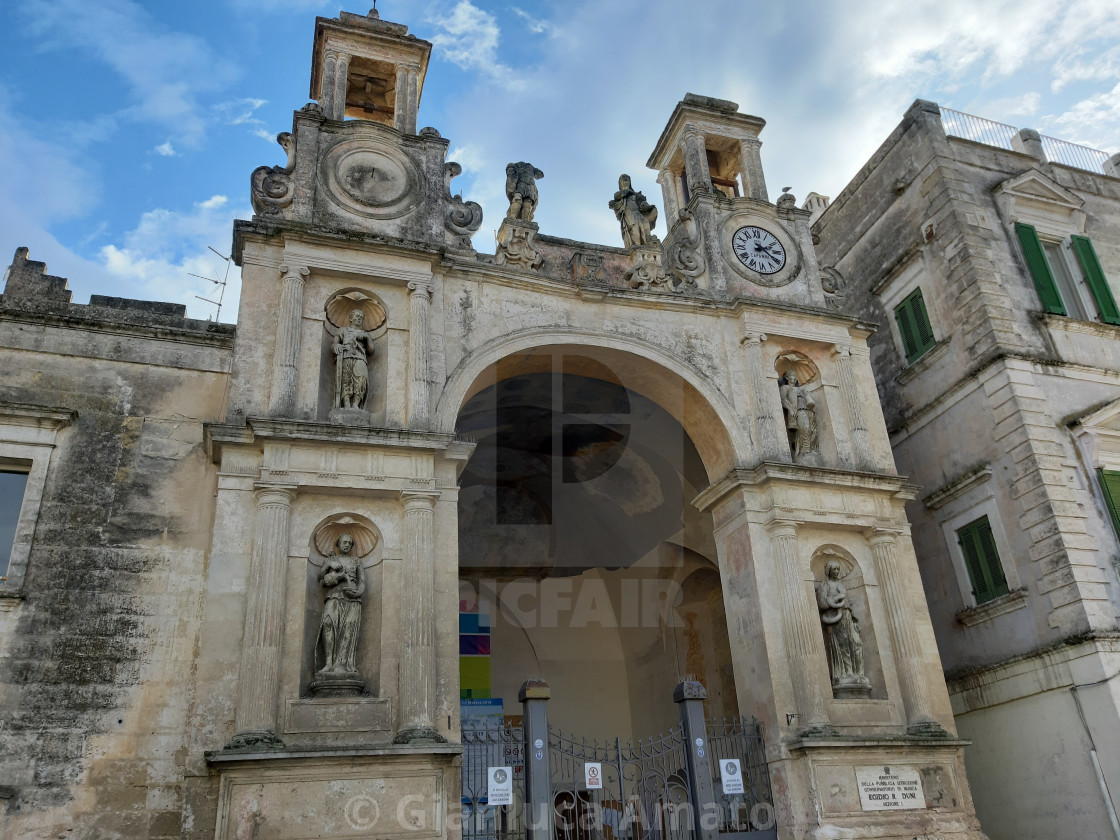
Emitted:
<point x="716" y="428"/>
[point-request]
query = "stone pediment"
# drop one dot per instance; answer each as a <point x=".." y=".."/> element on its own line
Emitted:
<point x="1033" y="198"/>
<point x="1098" y="433"/>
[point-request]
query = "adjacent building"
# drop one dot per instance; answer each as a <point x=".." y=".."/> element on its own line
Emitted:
<point x="990" y="259"/>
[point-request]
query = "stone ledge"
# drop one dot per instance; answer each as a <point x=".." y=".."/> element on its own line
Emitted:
<point x="848" y="742"/>
<point x="227" y="757"/>
<point x="217" y="434"/>
<point x="921" y="365"/>
<point x="1064" y="323"/>
<point x="997" y="606"/>
<point x="952" y="490"/>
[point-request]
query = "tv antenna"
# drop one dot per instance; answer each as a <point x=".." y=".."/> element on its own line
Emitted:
<point x="221" y="284"/>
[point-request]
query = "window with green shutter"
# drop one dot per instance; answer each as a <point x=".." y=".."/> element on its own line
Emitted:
<point x="1095" y="279"/>
<point x="1110" y="485"/>
<point x="1039" y="269"/>
<point x="978" y="545"/>
<point x="913" y="326"/>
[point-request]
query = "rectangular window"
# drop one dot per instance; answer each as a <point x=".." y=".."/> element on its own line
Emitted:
<point x="1095" y="279"/>
<point x="12" y="486"/>
<point x="1039" y="268"/>
<point x="1110" y="485"/>
<point x="1064" y="279"/>
<point x="913" y="326"/>
<point x="978" y="545"/>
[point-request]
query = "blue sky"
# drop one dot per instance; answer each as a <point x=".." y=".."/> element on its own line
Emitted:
<point x="128" y="129"/>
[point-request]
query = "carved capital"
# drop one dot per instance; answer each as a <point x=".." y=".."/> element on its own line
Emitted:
<point x="420" y="287"/>
<point x="274" y="495"/>
<point x="841" y="351"/>
<point x="882" y="536"/>
<point x="750" y="336"/>
<point x="294" y="272"/>
<point x="419" y="500"/>
<point x="779" y="528"/>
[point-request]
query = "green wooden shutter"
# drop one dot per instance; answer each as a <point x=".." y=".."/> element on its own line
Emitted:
<point x="1110" y="484"/>
<point x="1040" y="271"/>
<point x="913" y="326"/>
<point x="1094" y="277"/>
<point x="985" y="570"/>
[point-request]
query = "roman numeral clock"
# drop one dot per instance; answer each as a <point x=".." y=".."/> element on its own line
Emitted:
<point x="760" y="248"/>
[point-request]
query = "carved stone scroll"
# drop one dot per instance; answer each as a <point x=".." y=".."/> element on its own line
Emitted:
<point x="271" y="188"/>
<point x="461" y="218"/>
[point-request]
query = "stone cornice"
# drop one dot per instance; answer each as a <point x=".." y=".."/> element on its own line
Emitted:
<point x="770" y="472"/>
<point x="208" y="334"/>
<point x="266" y="428"/>
<point x="38" y="416"/>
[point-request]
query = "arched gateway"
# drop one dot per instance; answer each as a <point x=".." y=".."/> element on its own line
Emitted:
<point x="619" y="471"/>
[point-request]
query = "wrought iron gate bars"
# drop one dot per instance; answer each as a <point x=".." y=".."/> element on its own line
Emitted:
<point x="645" y="794"/>
<point x="753" y="810"/>
<point x="487" y="743"/>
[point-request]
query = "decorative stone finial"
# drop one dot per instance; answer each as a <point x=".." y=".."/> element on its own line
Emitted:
<point x="373" y="12"/>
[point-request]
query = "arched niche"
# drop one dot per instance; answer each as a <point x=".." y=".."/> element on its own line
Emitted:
<point x="797" y="363"/>
<point x="859" y="597"/>
<point x="369" y="552"/>
<point x="375" y="320"/>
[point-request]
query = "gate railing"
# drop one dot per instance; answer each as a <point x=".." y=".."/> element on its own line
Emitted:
<point x="669" y="787"/>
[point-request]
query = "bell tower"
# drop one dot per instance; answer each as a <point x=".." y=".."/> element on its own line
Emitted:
<point x="365" y="68"/>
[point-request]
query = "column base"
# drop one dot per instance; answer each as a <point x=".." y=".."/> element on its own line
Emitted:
<point x="927" y="729"/>
<point x="419" y="735"/>
<point x="819" y="730"/>
<point x="254" y="739"/>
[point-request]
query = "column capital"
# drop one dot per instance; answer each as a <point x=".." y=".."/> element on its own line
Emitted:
<point x="420" y="287"/>
<point x="268" y="493"/>
<point x="843" y="351"/>
<point x="419" y="499"/>
<point x="749" y="336"/>
<point x="299" y="272"/>
<point x="751" y="140"/>
<point x="782" y="527"/>
<point x="882" y="536"/>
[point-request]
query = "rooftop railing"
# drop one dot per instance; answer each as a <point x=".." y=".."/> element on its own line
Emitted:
<point x="1002" y="136"/>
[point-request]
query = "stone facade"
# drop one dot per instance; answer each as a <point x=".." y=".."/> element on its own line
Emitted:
<point x="205" y="496"/>
<point x="1008" y="414"/>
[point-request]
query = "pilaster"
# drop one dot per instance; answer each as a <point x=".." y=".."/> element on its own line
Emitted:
<point x="261" y="642"/>
<point x="770" y="445"/>
<point x="853" y="410"/>
<point x="419" y="326"/>
<point x="754" y="181"/>
<point x="285" y="365"/>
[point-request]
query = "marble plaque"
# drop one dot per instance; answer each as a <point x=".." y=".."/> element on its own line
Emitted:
<point x="890" y="788"/>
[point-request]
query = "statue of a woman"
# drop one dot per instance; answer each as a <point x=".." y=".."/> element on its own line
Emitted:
<point x="636" y="215"/>
<point x="343" y="579"/>
<point x="841" y="632"/>
<point x="352" y="347"/>
<point x="801" y="415"/>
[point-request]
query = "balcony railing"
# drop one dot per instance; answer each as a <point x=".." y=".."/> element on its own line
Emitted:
<point x="1001" y="135"/>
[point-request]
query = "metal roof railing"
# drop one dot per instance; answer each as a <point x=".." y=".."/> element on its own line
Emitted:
<point x="1001" y="135"/>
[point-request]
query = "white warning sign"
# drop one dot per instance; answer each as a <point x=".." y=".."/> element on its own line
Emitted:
<point x="593" y="775"/>
<point x="732" y="775"/>
<point x="499" y="786"/>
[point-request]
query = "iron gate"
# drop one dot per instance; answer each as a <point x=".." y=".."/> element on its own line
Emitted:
<point x="668" y="787"/>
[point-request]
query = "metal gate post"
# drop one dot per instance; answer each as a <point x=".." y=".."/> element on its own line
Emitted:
<point x="534" y="696"/>
<point x="690" y="696"/>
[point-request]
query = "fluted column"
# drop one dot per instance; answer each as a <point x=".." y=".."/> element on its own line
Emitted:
<point x="407" y="98"/>
<point x="289" y="319"/>
<point x="754" y="181"/>
<point x="770" y="447"/>
<point x="419" y="327"/>
<point x="696" y="162"/>
<point x="259" y="678"/>
<point x="418" y="655"/>
<point x="861" y="442"/>
<point x="341" y="83"/>
<point x="904" y="638"/>
<point x="799" y="631"/>
<point x="327" y="83"/>
<point x="669" y="197"/>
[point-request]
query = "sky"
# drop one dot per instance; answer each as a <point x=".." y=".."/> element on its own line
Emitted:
<point x="128" y="129"/>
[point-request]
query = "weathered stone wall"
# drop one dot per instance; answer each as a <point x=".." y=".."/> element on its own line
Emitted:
<point x="95" y="651"/>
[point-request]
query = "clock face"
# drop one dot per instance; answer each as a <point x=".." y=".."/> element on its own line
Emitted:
<point x="758" y="249"/>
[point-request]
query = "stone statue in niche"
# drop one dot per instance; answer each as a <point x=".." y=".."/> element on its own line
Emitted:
<point x="352" y="348"/>
<point x="521" y="190"/>
<point x="801" y="416"/>
<point x="636" y="215"/>
<point x="842" y="635"/>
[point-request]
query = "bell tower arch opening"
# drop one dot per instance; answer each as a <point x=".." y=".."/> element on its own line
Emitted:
<point x="582" y="559"/>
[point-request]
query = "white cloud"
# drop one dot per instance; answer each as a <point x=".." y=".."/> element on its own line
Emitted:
<point x="537" y="27"/>
<point x="1092" y="122"/>
<point x="156" y="260"/>
<point x="165" y="149"/>
<point x="165" y="71"/>
<point x="468" y="37"/>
